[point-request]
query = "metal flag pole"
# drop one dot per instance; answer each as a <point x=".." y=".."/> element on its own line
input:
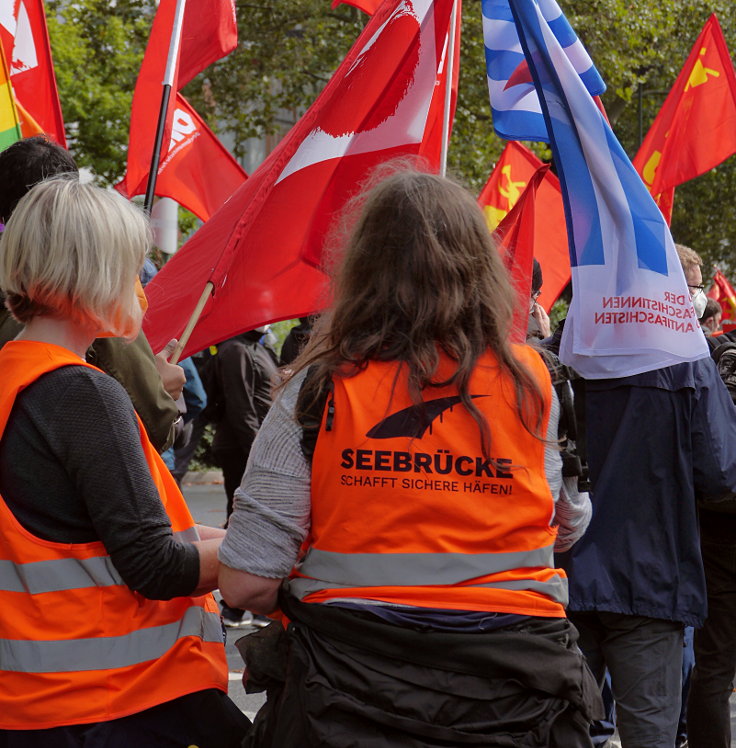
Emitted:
<point x="168" y="83"/>
<point x="448" y="90"/>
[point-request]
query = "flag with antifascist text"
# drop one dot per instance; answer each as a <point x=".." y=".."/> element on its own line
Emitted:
<point x="631" y="310"/>
<point x="263" y="250"/>
<point x="695" y="129"/>
<point x="25" y="40"/>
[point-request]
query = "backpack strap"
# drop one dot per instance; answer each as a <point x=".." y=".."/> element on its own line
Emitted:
<point x="310" y="417"/>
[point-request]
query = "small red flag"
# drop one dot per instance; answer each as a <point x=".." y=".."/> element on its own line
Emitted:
<point x="25" y="39"/>
<point x="516" y="238"/>
<point x="367" y="6"/>
<point x="696" y="128"/>
<point x="205" y="38"/>
<point x="508" y="180"/>
<point x="535" y="227"/>
<point x="723" y="292"/>
<point x="263" y="249"/>
<point x="197" y="171"/>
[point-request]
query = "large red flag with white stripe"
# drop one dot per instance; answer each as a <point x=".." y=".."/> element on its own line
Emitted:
<point x="263" y="250"/>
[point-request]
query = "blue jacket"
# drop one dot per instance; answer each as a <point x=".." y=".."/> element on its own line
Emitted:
<point x="657" y="441"/>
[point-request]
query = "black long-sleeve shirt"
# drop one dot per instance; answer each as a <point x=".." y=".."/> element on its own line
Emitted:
<point x="72" y="470"/>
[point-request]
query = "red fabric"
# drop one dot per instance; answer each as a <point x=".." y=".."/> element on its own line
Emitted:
<point x="205" y="38"/>
<point x="367" y="6"/>
<point x="25" y="41"/>
<point x="197" y="171"/>
<point x="509" y="178"/>
<point x="535" y="227"/>
<point x="431" y="148"/>
<point x="209" y="32"/>
<point x="263" y="249"/>
<point x="696" y="128"/>
<point x="723" y="292"/>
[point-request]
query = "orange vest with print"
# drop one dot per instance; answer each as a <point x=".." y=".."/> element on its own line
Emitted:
<point x="77" y="646"/>
<point x="406" y="510"/>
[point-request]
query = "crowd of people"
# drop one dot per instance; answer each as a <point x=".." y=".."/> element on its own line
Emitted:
<point x="445" y="539"/>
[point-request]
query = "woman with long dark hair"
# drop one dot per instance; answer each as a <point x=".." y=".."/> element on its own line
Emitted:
<point x="404" y="487"/>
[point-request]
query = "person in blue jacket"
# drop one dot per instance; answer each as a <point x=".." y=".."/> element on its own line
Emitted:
<point x="656" y="443"/>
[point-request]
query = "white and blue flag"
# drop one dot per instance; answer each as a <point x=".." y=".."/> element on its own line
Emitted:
<point x="517" y="113"/>
<point x="631" y="310"/>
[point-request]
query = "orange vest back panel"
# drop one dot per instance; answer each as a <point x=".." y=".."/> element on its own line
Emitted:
<point x="78" y="646"/>
<point x="406" y="510"/>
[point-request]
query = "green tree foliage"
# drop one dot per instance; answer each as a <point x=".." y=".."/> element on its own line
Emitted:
<point x="288" y="50"/>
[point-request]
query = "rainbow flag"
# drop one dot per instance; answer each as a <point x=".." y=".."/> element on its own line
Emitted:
<point x="9" y="125"/>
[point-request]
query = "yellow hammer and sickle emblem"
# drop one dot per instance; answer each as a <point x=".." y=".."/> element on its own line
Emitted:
<point x="512" y="190"/>
<point x="494" y="216"/>
<point x="700" y="73"/>
<point x="650" y="168"/>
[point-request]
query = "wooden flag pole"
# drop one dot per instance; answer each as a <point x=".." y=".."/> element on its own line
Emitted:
<point x="184" y="339"/>
<point x="450" y="61"/>
<point x="168" y="83"/>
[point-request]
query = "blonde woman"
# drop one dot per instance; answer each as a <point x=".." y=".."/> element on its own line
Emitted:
<point x="108" y="633"/>
<point x="405" y="486"/>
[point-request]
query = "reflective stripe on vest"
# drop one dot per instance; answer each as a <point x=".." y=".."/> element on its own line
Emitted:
<point x="68" y="573"/>
<point x="107" y="653"/>
<point x="331" y="570"/>
<point x="555" y="588"/>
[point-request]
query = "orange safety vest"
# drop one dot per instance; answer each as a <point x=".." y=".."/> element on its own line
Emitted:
<point x="77" y="645"/>
<point x="406" y="510"/>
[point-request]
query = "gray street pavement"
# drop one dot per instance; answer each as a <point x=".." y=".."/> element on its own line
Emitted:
<point x="205" y="496"/>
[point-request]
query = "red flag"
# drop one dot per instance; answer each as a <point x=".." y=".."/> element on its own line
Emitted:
<point x="508" y="180"/>
<point x="696" y="128"/>
<point x="205" y="38"/>
<point x="516" y="237"/>
<point x="209" y="32"/>
<point x="197" y="171"/>
<point x="263" y="248"/>
<point x="723" y="292"/>
<point x="367" y="6"/>
<point x="25" y="39"/>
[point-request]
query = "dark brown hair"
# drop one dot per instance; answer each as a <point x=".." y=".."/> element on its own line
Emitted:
<point x="420" y="277"/>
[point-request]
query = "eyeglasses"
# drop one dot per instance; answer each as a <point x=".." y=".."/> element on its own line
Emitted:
<point x="701" y="287"/>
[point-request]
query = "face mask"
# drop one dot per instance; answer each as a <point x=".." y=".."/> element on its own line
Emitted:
<point x="700" y="301"/>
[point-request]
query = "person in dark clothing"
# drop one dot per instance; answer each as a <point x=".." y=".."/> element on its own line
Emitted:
<point x="243" y="377"/>
<point x="656" y="442"/>
<point x="295" y="341"/>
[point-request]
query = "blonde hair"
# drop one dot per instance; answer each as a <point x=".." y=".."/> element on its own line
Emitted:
<point x="73" y="251"/>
